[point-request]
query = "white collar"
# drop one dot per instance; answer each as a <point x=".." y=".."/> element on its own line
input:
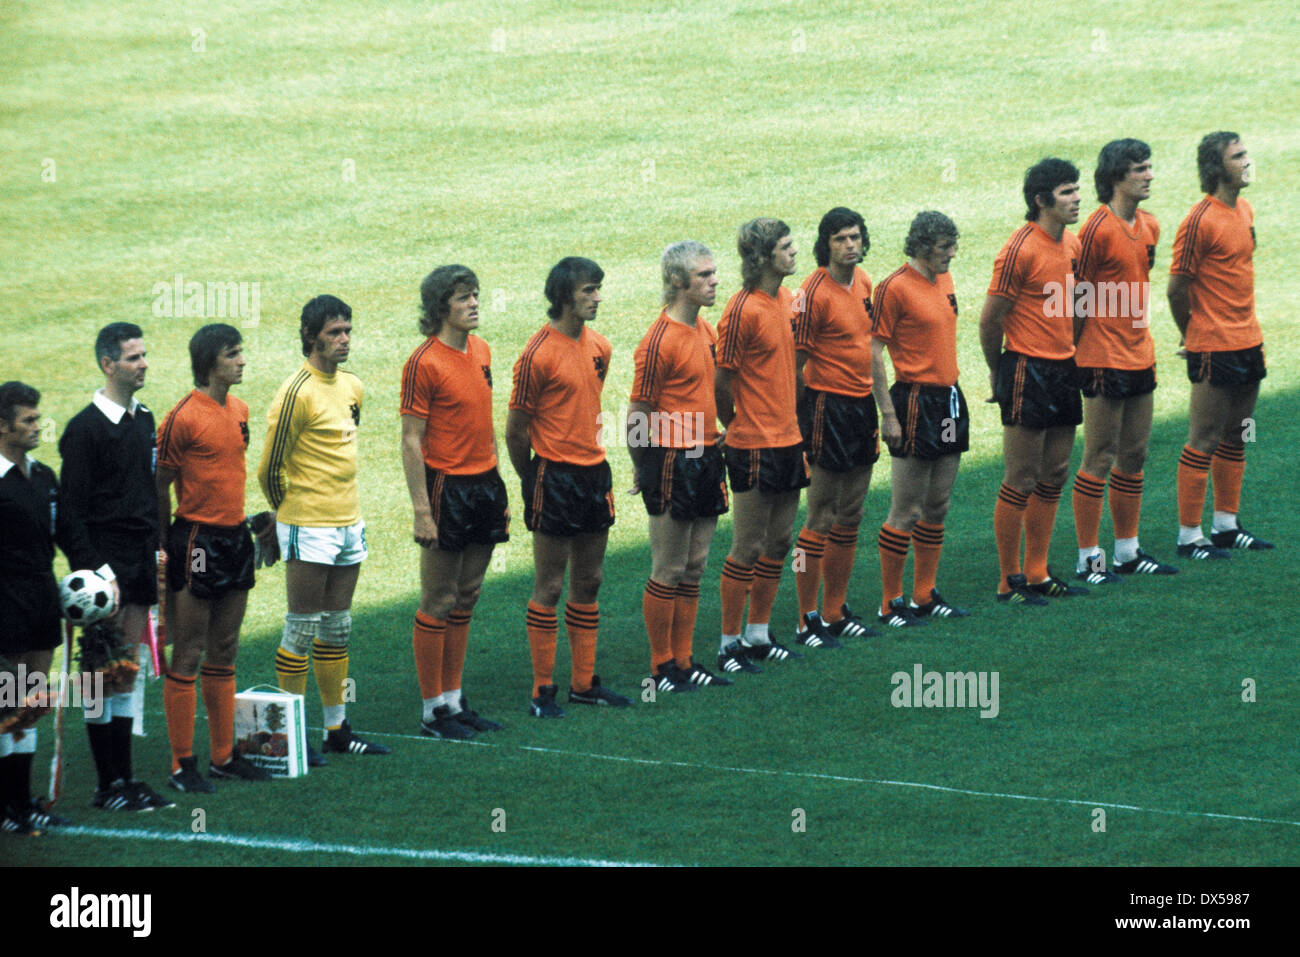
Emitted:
<point x="112" y="411"/>
<point x="6" y="465"/>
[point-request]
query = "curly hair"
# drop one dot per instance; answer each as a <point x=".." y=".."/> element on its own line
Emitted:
<point x="841" y="217"/>
<point x="928" y="229"/>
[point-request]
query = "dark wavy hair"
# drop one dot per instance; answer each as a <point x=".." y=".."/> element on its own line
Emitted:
<point x="314" y="316"/>
<point x="1209" y="159"/>
<point x="206" y="347"/>
<point x="566" y="276"/>
<point x="1113" y="164"/>
<point x="928" y="229"/>
<point x="13" y="395"/>
<point x="436" y="291"/>
<point x="841" y="217"/>
<point x="1042" y="178"/>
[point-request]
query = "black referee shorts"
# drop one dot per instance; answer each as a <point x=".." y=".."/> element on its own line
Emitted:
<point x="841" y="432"/>
<point x="30" y="614"/>
<point x="772" y="471"/>
<point x="468" y="509"/>
<point x="134" y="560"/>
<point x="934" y="420"/>
<point x="686" y="486"/>
<point x="1227" y="369"/>
<point x="566" y="500"/>
<point x="1038" y="393"/>
<point x="210" y="560"/>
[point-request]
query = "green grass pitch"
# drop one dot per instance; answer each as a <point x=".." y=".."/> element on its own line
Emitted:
<point x="350" y="147"/>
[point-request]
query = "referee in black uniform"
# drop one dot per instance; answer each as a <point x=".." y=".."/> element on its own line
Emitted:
<point x="29" y="595"/>
<point x="110" y="503"/>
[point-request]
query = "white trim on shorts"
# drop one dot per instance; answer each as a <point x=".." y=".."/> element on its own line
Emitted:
<point x="345" y="545"/>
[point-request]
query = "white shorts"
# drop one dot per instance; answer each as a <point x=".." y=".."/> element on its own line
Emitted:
<point x="323" y="546"/>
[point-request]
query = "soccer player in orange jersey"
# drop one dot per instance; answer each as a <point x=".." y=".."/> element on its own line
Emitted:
<point x="924" y="417"/>
<point x="449" y="455"/>
<point x="755" y="394"/>
<point x="209" y="555"/>
<point x="837" y="418"/>
<point x="673" y="439"/>
<point x="1029" y="304"/>
<point x="567" y="486"/>
<point x="1212" y="298"/>
<point x="1116" y="358"/>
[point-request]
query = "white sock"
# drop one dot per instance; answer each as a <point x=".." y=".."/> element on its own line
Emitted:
<point x="727" y="640"/>
<point x="757" y="635"/>
<point x="429" y="705"/>
<point x="334" y="714"/>
<point x="1126" y="549"/>
<point x="1085" y="556"/>
<point x="1224" y="522"/>
<point x="1189" y="534"/>
<point x="452" y="700"/>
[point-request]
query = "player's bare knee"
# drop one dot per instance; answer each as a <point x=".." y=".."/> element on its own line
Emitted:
<point x="467" y="597"/>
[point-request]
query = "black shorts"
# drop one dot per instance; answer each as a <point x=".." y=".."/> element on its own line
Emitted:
<point x="567" y="500"/>
<point x="841" y="432"/>
<point x="1038" y="393"/>
<point x="133" y="558"/>
<point x="684" y="484"/>
<point x="773" y="471"/>
<point x="934" y="420"/>
<point x="30" y="614"/>
<point x="1227" y="369"/>
<point x="210" y="560"/>
<point x="468" y="509"/>
<point x="1116" y="383"/>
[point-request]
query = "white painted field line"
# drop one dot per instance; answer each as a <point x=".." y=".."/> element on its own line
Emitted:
<point x="882" y="782"/>
<point x="295" y="846"/>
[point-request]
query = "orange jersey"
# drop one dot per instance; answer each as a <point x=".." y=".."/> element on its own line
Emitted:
<point x="1215" y="245"/>
<point x="917" y="320"/>
<point x="1036" y="273"/>
<point x="452" y="391"/>
<point x="204" y="444"/>
<point x="756" y="342"/>
<point x="833" y="325"/>
<point x="1115" y="261"/>
<point x="558" y="382"/>
<point x="674" y="376"/>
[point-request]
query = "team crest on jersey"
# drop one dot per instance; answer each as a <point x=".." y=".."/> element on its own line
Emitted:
<point x="952" y="301"/>
<point x="1074" y="266"/>
<point x="243" y="432"/>
<point x="487" y="374"/>
<point x="600" y="367"/>
<point x="866" y="304"/>
<point x="1151" y="256"/>
<point x="356" y="413"/>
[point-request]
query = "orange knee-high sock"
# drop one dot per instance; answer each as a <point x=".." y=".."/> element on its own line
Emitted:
<point x="767" y="578"/>
<point x="1008" y="525"/>
<point x="686" y="605"/>
<point x="453" y="649"/>
<point x="837" y="567"/>
<point x="542" y="625"/>
<point x="733" y="590"/>
<point x="1227" y="466"/>
<point x="1089" y="491"/>
<point x="179" y="704"/>
<point x="1040" y="516"/>
<point x="658" y="605"/>
<point x="927" y="546"/>
<point x="218" y="683"/>
<point x="808" y="551"/>
<point x="582" y="623"/>
<point x="1125" y="502"/>
<point x="1193" y="476"/>
<point x="893" y="556"/>
<point x="428" y="639"/>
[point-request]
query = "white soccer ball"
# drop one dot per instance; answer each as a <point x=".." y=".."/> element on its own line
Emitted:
<point x="86" y="597"/>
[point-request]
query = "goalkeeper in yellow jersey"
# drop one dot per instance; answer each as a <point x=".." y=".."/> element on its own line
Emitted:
<point x="308" y="473"/>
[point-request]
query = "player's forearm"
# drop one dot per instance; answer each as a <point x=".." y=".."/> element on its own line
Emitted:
<point x="413" y="468"/>
<point x="518" y="443"/>
<point x="163" y="483"/>
<point x="880" y="381"/>
<point x="991" y="329"/>
<point x="636" y="429"/>
<point x="722" y="397"/>
<point x="1180" y="302"/>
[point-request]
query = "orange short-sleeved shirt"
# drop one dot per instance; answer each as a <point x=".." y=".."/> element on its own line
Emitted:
<point x="452" y="391"/>
<point x="756" y="342"/>
<point x="917" y="320"/>
<point x="1116" y="263"/>
<point x="204" y="444"/>
<point x="833" y="325"/>
<point x="558" y="382"/>
<point x="1036" y="273"/>
<point x="674" y="376"/>
<point x="1215" y="245"/>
